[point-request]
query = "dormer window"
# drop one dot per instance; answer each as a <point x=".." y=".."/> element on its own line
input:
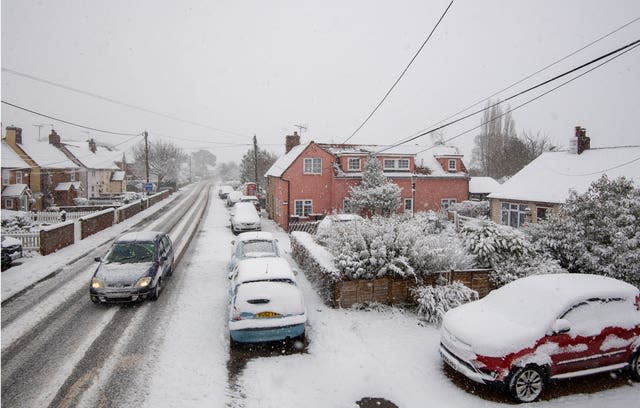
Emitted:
<point x="452" y="165"/>
<point x="396" y="164"/>
<point x="354" y="164"/>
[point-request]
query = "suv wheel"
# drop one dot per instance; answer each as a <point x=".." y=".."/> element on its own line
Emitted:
<point x="526" y="384"/>
<point x="635" y="365"/>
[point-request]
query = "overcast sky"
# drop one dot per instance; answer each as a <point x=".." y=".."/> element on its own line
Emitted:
<point x="232" y="69"/>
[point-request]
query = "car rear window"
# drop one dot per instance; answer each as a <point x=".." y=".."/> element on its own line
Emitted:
<point x="257" y="246"/>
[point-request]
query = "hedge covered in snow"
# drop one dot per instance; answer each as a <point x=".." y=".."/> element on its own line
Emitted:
<point x="434" y="301"/>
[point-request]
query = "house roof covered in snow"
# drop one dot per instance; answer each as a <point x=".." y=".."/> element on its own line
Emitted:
<point x="66" y="186"/>
<point x="103" y="158"/>
<point x="14" y="190"/>
<point x="46" y="155"/>
<point x="11" y="159"/>
<point x="118" y="175"/>
<point x="552" y="175"/>
<point x="483" y="185"/>
<point x="281" y="165"/>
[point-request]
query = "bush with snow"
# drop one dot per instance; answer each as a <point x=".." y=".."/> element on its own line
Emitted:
<point x="435" y="301"/>
<point x="397" y="246"/>
<point x="16" y="221"/>
<point x="597" y="232"/>
<point x="474" y="209"/>
<point x="494" y="244"/>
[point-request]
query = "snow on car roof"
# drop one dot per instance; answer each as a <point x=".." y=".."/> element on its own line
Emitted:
<point x="256" y="236"/>
<point x="256" y="269"/>
<point x="139" y="236"/>
<point x="283" y="297"/>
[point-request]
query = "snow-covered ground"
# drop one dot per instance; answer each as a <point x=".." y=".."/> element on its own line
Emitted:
<point x="351" y="353"/>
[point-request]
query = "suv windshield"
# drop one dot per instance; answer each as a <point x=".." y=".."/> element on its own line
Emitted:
<point x="130" y="252"/>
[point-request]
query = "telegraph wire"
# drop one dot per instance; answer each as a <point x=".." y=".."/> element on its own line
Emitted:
<point x="117" y="102"/>
<point x="596" y="172"/>
<point x="401" y="75"/>
<point x="532" y="75"/>
<point x="637" y="44"/>
<point x="620" y="51"/>
<point x="70" y="123"/>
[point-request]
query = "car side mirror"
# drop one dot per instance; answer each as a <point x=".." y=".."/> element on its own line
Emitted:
<point x="163" y="259"/>
<point x="296" y="272"/>
<point x="97" y="259"/>
<point x="561" y="326"/>
<point x="233" y="242"/>
<point x="230" y="275"/>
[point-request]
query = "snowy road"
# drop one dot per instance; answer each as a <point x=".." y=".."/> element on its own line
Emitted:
<point x="175" y="352"/>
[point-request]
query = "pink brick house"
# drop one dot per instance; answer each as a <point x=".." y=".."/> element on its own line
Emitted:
<point x="314" y="178"/>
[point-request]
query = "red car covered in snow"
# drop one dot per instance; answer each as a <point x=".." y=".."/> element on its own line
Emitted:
<point x="545" y="327"/>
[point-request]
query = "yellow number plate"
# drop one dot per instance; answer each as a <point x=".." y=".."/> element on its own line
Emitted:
<point x="263" y="315"/>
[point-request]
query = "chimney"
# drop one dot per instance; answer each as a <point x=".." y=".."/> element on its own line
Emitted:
<point x="580" y="142"/>
<point x="14" y="135"/>
<point x="92" y="145"/>
<point x="54" y="138"/>
<point x="291" y="141"/>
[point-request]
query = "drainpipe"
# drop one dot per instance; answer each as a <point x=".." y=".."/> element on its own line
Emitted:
<point x="288" y="201"/>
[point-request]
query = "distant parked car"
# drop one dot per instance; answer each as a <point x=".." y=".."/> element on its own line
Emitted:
<point x="11" y="250"/>
<point x="328" y="223"/>
<point x="543" y="328"/>
<point x="244" y="217"/>
<point x="224" y="191"/>
<point x="233" y="197"/>
<point x="253" y="245"/>
<point x="134" y="269"/>
<point x="251" y="199"/>
<point x="265" y="303"/>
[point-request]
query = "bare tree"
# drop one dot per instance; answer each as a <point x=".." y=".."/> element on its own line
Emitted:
<point x="248" y="169"/>
<point x="165" y="159"/>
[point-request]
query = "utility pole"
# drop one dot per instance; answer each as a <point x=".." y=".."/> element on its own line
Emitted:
<point x="146" y="153"/>
<point x="255" y="159"/>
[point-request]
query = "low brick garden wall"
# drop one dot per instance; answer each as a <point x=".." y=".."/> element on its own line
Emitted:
<point x="97" y="222"/>
<point x="56" y="237"/>
<point x="318" y="265"/>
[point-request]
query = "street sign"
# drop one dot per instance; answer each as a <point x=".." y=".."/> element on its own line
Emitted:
<point x="148" y="187"/>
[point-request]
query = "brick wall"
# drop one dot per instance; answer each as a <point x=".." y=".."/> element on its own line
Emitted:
<point x="129" y="210"/>
<point x="54" y="238"/>
<point x="95" y="223"/>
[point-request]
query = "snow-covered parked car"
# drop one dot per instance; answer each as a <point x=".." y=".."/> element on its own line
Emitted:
<point x="265" y="303"/>
<point x="545" y="327"/>
<point x="253" y="245"/>
<point x="224" y="191"/>
<point x="251" y="199"/>
<point x="244" y="217"/>
<point x="134" y="268"/>
<point x="233" y="197"/>
<point x="11" y="250"/>
<point x="328" y="223"/>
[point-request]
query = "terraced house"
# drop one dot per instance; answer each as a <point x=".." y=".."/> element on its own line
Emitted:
<point x="313" y="179"/>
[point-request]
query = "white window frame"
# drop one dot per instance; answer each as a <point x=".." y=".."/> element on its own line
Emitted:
<point x="6" y="177"/>
<point x="453" y="165"/>
<point x="395" y="164"/>
<point x="410" y="202"/>
<point x="312" y="165"/>
<point x="18" y="177"/>
<point x="445" y="203"/>
<point x="347" y="207"/>
<point x="351" y="160"/>
<point x="8" y="203"/>
<point x="513" y="214"/>
<point x="303" y="204"/>
<point x="72" y="176"/>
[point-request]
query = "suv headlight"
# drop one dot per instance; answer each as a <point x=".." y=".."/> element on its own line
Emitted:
<point x="96" y="283"/>
<point x="143" y="282"/>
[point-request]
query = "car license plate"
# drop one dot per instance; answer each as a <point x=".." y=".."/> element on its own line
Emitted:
<point x="449" y="362"/>
<point x="266" y="315"/>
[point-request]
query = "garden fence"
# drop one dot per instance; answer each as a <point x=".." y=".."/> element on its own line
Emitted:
<point x="30" y="240"/>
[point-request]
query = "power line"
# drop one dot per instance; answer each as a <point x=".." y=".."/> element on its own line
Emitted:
<point x="596" y="172"/>
<point x="401" y="75"/>
<point x="117" y="102"/>
<point x="532" y="75"/>
<point x="533" y="99"/>
<point x="68" y="122"/>
<point x="627" y="47"/>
